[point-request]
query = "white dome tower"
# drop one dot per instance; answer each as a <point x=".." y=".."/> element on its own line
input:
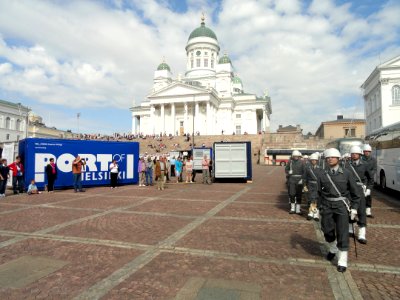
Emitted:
<point x="202" y="52"/>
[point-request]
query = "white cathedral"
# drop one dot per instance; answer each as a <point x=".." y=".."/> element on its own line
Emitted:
<point x="208" y="100"/>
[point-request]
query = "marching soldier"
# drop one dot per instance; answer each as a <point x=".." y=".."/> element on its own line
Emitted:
<point x="368" y="158"/>
<point x="295" y="171"/>
<point x="311" y="178"/>
<point x="362" y="175"/>
<point x="339" y="200"/>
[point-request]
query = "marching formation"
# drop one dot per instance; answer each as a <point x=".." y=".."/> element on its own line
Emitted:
<point x="338" y="192"/>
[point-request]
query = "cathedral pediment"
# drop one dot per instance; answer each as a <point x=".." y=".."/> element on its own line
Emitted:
<point x="178" y="89"/>
<point x="393" y="63"/>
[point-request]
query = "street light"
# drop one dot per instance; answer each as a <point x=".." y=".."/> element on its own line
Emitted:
<point x="78" y="115"/>
<point x="194" y="113"/>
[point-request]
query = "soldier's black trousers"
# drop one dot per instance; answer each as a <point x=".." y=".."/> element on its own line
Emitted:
<point x="295" y="190"/>
<point x="312" y="193"/>
<point x="368" y="201"/>
<point x="361" y="212"/>
<point x="335" y="223"/>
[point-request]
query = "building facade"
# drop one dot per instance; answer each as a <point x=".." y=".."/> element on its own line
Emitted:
<point x="208" y="100"/>
<point x="13" y="120"/>
<point x="341" y="128"/>
<point x="37" y="129"/>
<point x="381" y="93"/>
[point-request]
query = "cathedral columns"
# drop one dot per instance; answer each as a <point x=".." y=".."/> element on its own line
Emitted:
<point x="162" y="115"/>
<point x="185" y="118"/>
<point x="152" y="119"/>
<point x="208" y="119"/>
<point x="173" y="118"/>
<point x="197" y="114"/>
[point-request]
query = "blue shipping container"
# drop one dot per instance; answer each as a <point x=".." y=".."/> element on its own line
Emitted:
<point x="36" y="152"/>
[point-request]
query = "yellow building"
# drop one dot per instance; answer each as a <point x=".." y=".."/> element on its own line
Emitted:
<point x="341" y="128"/>
<point x="38" y="129"/>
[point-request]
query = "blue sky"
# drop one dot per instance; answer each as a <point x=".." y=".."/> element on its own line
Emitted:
<point x="98" y="57"/>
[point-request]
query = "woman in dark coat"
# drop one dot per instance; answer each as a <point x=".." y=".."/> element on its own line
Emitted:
<point x="51" y="172"/>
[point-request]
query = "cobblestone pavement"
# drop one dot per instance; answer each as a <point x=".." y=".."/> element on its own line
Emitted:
<point x="190" y="241"/>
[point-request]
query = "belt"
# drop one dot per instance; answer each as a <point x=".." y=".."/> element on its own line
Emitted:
<point x="334" y="199"/>
<point x="296" y="175"/>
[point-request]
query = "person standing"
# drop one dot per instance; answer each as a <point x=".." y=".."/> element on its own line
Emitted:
<point x="142" y="171"/>
<point x="178" y="169"/>
<point x="189" y="170"/>
<point x="339" y="200"/>
<point x="205" y="164"/>
<point x="149" y="171"/>
<point x="17" y="169"/>
<point x="295" y="171"/>
<point x="51" y="173"/>
<point x="172" y="162"/>
<point x="77" y="166"/>
<point x="371" y="161"/>
<point x="113" y="173"/>
<point x="311" y="178"/>
<point x="167" y="162"/>
<point x="361" y="174"/>
<point x="161" y="170"/>
<point x="4" y="175"/>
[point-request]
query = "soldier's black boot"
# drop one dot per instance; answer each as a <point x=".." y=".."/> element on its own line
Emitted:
<point x="330" y="256"/>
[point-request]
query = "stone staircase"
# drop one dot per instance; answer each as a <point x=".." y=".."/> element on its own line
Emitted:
<point x="259" y="142"/>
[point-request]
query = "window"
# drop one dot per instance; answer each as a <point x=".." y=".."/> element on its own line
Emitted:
<point x="238" y="129"/>
<point x="191" y="63"/>
<point x="206" y="53"/>
<point x="349" y="132"/>
<point x="396" y="95"/>
<point x="18" y="125"/>
<point x="238" y="116"/>
<point x="212" y="63"/>
<point x="8" y="123"/>
<point x="206" y="62"/>
<point x="198" y="62"/>
<point x="7" y="136"/>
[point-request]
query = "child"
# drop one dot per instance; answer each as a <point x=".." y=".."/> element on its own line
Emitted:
<point x="32" y="188"/>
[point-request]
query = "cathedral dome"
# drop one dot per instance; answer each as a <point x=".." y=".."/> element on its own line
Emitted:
<point x="236" y="79"/>
<point x="163" y="66"/>
<point x="224" y="60"/>
<point x="202" y="31"/>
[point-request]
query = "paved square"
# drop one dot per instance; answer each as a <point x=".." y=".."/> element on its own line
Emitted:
<point x="179" y="207"/>
<point x="35" y="218"/>
<point x="127" y="227"/>
<point x="170" y="275"/>
<point x="190" y="241"/>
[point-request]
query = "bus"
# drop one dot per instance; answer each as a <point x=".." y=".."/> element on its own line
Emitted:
<point x="385" y="143"/>
<point x="281" y="157"/>
<point x="344" y="144"/>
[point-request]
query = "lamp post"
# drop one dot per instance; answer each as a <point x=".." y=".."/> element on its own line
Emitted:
<point x="194" y="113"/>
<point x="78" y="115"/>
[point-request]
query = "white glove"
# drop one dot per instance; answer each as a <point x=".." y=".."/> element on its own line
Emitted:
<point x="367" y="192"/>
<point x="290" y="172"/>
<point x="364" y="187"/>
<point x="353" y="214"/>
<point x="300" y="181"/>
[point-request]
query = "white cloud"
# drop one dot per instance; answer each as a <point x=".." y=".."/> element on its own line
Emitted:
<point x="85" y="54"/>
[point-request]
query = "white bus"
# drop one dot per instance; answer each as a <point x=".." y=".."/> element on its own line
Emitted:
<point x="386" y="144"/>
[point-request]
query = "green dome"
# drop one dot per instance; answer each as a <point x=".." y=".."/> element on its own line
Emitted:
<point x="237" y="80"/>
<point x="224" y="60"/>
<point x="163" y="66"/>
<point x="202" y="31"/>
